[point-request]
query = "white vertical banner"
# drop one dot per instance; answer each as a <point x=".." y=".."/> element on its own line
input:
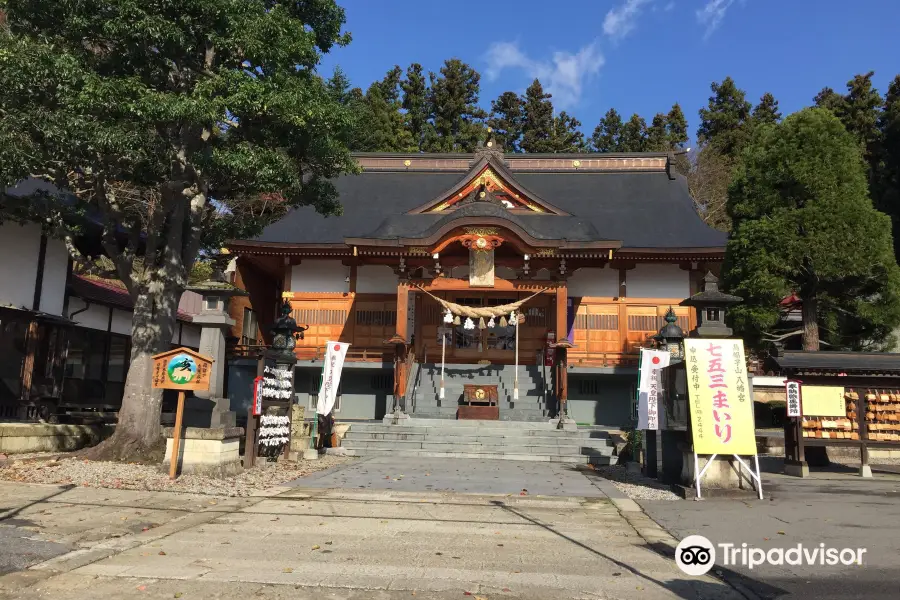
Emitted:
<point x="335" y="353"/>
<point x="652" y="361"/>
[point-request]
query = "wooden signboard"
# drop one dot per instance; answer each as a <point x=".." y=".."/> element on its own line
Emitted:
<point x="180" y="369"/>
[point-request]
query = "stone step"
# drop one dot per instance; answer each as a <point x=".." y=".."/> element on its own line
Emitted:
<point x="474" y="432"/>
<point x="543" y="440"/>
<point x="456" y="446"/>
<point x="565" y="459"/>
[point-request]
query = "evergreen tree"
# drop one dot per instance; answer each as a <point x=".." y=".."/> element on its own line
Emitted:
<point x="566" y="135"/>
<point x="828" y="99"/>
<point x="507" y="120"/>
<point x="353" y="100"/>
<point x="803" y="223"/>
<point x="657" y="136"/>
<point x="766" y="111"/>
<point x="676" y="127"/>
<point x="886" y="191"/>
<point x="453" y="106"/>
<point x="608" y="133"/>
<point x="415" y="103"/>
<point x="384" y="126"/>
<point x="722" y="121"/>
<point x="860" y="112"/>
<point x="634" y="135"/>
<point x="537" y="129"/>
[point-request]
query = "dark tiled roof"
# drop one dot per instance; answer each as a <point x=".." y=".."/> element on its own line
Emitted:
<point x="643" y="210"/>
<point x="108" y="293"/>
<point x="840" y="361"/>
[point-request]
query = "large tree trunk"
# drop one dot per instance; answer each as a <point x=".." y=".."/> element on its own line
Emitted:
<point x="810" y="323"/>
<point x="138" y="432"/>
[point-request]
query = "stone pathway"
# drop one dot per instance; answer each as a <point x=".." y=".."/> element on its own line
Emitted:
<point x="458" y="475"/>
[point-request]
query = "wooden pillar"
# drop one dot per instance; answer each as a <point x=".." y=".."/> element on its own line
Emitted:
<point x="402" y="309"/>
<point x="562" y="372"/>
<point x="28" y="364"/>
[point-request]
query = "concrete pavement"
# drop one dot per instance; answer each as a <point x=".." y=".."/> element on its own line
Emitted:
<point x="838" y="509"/>
<point x="368" y="543"/>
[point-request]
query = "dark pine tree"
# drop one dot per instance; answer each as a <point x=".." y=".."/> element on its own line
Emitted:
<point x="537" y="129"/>
<point x="608" y="133"/>
<point x="829" y="99"/>
<point x="415" y="103"/>
<point x="657" y="138"/>
<point x="453" y="104"/>
<point x="766" y="111"/>
<point x="566" y="135"/>
<point x="861" y="109"/>
<point x="886" y="191"/>
<point x="676" y="127"/>
<point x="722" y="121"/>
<point x="507" y="120"/>
<point x="634" y="135"/>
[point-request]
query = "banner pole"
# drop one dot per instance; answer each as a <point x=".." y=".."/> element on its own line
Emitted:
<point x="443" y="361"/>
<point x="697" y="474"/>
<point x="516" y="381"/>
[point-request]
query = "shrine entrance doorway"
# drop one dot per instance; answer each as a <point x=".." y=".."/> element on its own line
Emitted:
<point x="495" y="345"/>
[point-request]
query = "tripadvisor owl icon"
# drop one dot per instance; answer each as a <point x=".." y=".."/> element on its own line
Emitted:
<point x="695" y="555"/>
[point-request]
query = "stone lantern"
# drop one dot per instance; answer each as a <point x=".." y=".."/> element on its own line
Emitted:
<point x="671" y="336"/>
<point x="214" y="322"/>
<point x="711" y="305"/>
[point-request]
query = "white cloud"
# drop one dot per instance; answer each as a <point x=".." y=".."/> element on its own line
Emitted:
<point x="563" y="75"/>
<point x="711" y="15"/>
<point x="669" y="6"/>
<point x="621" y="21"/>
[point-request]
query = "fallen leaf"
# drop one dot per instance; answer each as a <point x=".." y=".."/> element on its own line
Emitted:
<point x="328" y="543"/>
<point x="781" y="533"/>
<point x="140" y="588"/>
<point x="161" y="553"/>
<point x="178" y="594"/>
<point x="439" y="553"/>
<point x="616" y="574"/>
<point x="145" y="529"/>
<point x="501" y="545"/>
<point x="507" y="590"/>
<point x="316" y="547"/>
<point x="287" y="570"/>
<point x="213" y="502"/>
<point x="766" y="539"/>
<point x="384" y="521"/>
<point x="467" y="593"/>
<point x="124" y="518"/>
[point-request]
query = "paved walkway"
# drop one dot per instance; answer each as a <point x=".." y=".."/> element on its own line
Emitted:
<point x="459" y="475"/>
<point x="349" y="543"/>
<point x="838" y="509"/>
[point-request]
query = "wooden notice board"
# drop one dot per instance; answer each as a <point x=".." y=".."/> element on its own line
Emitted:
<point x="181" y="369"/>
<point x="184" y="370"/>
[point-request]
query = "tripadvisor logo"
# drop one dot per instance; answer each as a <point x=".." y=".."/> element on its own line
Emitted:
<point x="696" y="555"/>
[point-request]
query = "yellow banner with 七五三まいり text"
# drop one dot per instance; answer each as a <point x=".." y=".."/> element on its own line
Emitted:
<point x="721" y="405"/>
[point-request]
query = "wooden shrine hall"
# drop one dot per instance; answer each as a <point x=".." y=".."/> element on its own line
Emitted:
<point x="591" y="249"/>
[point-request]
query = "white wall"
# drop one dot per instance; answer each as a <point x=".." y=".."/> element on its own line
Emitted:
<point x="53" y="288"/>
<point x="95" y="317"/>
<point x="121" y="321"/>
<point x="321" y="276"/>
<point x="657" y="281"/>
<point x="594" y="282"/>
<point x="375" y="279"/>
<point x="19" y="249"/>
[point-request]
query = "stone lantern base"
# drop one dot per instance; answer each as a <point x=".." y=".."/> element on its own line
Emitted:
<point x="207" y="451"/>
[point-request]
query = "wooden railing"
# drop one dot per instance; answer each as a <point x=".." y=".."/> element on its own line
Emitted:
<point x="354" y="354"/>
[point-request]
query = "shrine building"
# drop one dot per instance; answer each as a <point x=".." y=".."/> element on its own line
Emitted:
<point x="599" y="247"/>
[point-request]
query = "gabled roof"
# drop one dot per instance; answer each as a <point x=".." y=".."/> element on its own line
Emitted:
<point x="633" y="199"/>
<point x="108" y="293"/>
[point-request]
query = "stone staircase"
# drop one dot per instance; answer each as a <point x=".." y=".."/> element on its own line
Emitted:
<point x="534" y="403"/>
<point x="486" y="440"/>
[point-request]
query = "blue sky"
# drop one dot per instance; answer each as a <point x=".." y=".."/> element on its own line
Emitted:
<point x="633" y="55"/>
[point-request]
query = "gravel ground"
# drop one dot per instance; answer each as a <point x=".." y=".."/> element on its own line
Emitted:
<point x="132" y="476"/>
<point x="635" y="485"/>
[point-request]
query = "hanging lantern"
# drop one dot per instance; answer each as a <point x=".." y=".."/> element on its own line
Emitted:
<point x="470" y="324"/>
<point x="481" y="324"/>
<point x="456" y="320"/>
<point x="502" y="321"/>
<point x="491" y="323"/>
<point x="448" y="317"/>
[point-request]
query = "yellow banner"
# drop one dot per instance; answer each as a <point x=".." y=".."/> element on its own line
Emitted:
<point x="721" y="405"/>
<point x="822" y="401"/>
